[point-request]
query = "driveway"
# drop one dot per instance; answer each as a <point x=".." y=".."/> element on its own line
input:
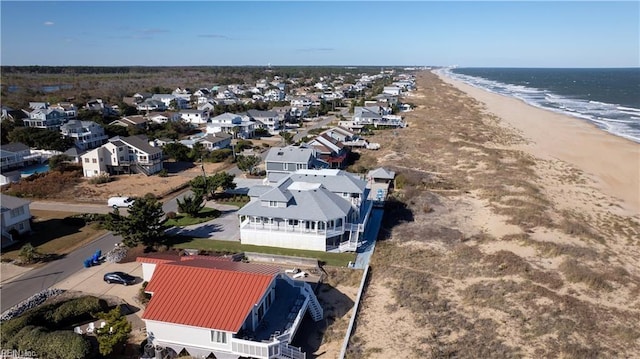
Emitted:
<point x="226" y="227"/>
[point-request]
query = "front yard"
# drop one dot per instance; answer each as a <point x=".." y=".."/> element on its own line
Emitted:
<point x="53" y="235"/>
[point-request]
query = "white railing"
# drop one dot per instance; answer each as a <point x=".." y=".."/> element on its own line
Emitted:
<point x="268" y="227"/>
<point x="254" y="349"/>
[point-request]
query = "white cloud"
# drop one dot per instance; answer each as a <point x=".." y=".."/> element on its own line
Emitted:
<point x="48" y="23"/>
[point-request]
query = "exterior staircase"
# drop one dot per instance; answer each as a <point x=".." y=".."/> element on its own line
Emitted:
<point x="289" y="352"/>
<point x="315" y="309"/>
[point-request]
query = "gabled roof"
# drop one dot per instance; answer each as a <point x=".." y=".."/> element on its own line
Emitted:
<point x="262" y="114"/>
<point x="215" y="138"/>
<point x="290" y="154"/>
<point x="381" y="173"/>
<point x="141" y="144"/>
<point x="207" y="294"/>
<point x="14" y="147"/>
<point x="276" y="194"/>
<point x="9" y="202"/>
<point x="334" y="180"/>
<point x="227" y="116"/>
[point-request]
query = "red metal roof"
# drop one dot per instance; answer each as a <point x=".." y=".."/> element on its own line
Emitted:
<point x="208" y="294"/>
<point x="158" y="258"/>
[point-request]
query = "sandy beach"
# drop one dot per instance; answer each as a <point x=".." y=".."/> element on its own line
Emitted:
<point x="514" y="232"/>
<point x="611" y="161"/>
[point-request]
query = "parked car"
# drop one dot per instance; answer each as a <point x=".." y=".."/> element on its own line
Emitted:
<point x="116" y="202"/>
<point x="119" y="277"/>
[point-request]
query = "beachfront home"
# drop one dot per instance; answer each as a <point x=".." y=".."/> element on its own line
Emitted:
<point x="224" y="309"/>
<point x="86" y="134"/>
<point x="329" y="150"/>
<point x="318" y="210"/>
<point x="123" y="155"/>
<point x="151" y="105"/>
<point x="283" y="161"/>
<point x="16" y="218"/>
<point x="210" y="141"/>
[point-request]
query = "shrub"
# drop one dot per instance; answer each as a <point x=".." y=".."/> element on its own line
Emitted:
<point x="171" y="215"/>
<point x="64" y="345"/>
<point x="28" y="253"/>
<point x="266" y="145"/>
<point x="163" y="173"/>
<point x="101" y="178"/>
<point x="219" y="155"/>
<point x="69" y="311"/>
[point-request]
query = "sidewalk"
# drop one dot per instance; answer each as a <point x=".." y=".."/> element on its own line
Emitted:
<point x="11" y="271"/>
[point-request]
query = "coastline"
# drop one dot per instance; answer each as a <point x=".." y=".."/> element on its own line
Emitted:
<point x="612" y="162"/>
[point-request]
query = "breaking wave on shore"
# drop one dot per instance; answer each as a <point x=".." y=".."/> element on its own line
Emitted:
<point x="623" y="121"/>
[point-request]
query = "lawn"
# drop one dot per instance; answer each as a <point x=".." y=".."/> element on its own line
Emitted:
<point x="181" y="220"/>
<point x="53" y="236"/>
<point x="334" y="259"/>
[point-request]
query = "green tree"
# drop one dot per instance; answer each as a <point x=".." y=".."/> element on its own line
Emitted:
<point x="115" y="333"/>
<point x="247" y="163"/>
<point x="287" y="137"/>
<point x="6" y="126"/>
<point x="192" y="204"/>
<point x="220" y="181"/>
<point x="177" y="151"/>
<point x="59" y="162"/>
<point x="142" y="225"/>
<point x="197" y="152"/>
<point x="28" y="253"/>
<point x="173" y="105"/>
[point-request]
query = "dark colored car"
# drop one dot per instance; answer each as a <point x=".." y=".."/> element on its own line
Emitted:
<point x="119" y="277"/>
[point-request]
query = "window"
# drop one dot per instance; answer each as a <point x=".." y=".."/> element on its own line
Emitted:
<point x="285" y="166"/>
<point x="301" y="166"/>
<point x="293" y="222"/>
<point x="273" y="204"/>
<point x="21" y="226"/>
<point x="93" y="160"/>
<point x="86" y="160"/>
<point x="218" y="337"/>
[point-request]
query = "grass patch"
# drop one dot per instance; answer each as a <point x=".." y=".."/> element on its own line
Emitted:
<point x="53" y="235"/>
<point x="333" y="259"/>
<point x="205" y="215"/>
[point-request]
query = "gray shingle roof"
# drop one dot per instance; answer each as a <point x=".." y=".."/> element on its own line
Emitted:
<point x="289" y="154"/>
<point x="334" y="180"/>
<point x="14" y="147"/>
<point x="318" y="204"/>
<point x="381" y="173"/>
<point x="10" y="202"/>
<point x="140" y="144"/>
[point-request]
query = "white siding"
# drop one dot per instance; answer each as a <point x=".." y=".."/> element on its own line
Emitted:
<point x="186" y="335"/>
<point x="283" y="239"/>
<point x="147" y="271"/>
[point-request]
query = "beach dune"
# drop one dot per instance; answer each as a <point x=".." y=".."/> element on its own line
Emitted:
<point x="612" y="162"/>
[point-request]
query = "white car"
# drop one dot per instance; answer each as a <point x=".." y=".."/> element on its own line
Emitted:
<point x="117" y="202"/>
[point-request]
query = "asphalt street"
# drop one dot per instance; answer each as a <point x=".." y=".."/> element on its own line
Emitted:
<point x="36" y="280"/>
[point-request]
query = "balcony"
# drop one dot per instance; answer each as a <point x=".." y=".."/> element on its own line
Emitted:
<point x="300" y="228"/>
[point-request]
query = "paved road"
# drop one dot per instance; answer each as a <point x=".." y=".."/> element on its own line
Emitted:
<point x="317" y="124"/>
<point x="36" y="280"/>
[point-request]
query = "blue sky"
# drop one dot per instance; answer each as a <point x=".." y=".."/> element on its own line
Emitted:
<point x="482" y="34"/>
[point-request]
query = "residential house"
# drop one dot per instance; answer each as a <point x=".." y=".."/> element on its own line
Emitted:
<point x="38" y="105"/>
<point x="330" y="150"/>
<point x="244" y="310"/>
<point x="233" y="124"/>
<point x="211" y="142"/>
<point x="269" y="120"/>
<point x="151" y="105"/>
<point x="48" y="118"/>
<point x="196" y="117"/>
<point x="70" y="110"/>
<point x="158" y="118"/>
<point x="134" y="121"/>
<point x="317" y="210"/>
<point x="274" y="95"/>
<point x="180" y="102"/>
<point x="123" y="155"/>
<point x="377" y="116"/>
<point x="16" y="218"/>
<point x="207" y="106"/>
<point x="86" y="134"/>
<point x="98" y="105"/>
<point x="14" y="155"/>
<point x="301" y="102"/>
<point x="141" y="96"/>
<point x="392" y="90"/>
<point x="282" y="161"/>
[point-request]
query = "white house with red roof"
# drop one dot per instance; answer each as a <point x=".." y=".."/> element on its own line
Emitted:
<point x="229" y="309"/>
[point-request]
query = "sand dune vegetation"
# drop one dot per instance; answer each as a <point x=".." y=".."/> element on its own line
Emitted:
<point x="494" y="246"/>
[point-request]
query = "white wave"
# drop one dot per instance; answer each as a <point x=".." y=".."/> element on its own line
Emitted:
<point x="628" y="109"/>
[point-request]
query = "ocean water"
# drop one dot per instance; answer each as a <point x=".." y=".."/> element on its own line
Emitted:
<point x="609" y="98"/>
